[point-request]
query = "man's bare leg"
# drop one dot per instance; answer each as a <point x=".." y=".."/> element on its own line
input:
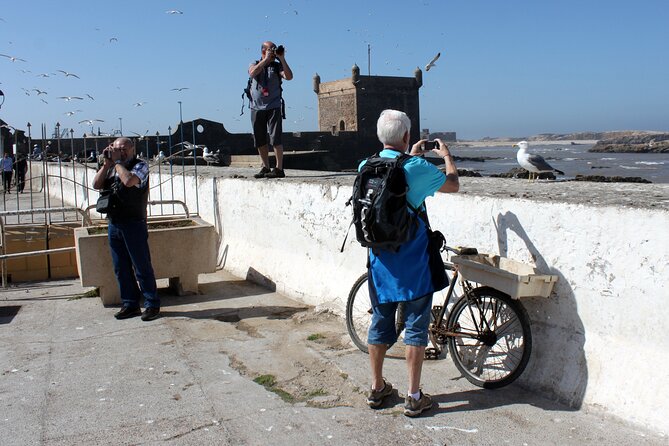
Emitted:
<point x="414" y="358"/>
<point x="278" y="154"/>
<point x="263" y="151"/>
<point x="377" y="353"/>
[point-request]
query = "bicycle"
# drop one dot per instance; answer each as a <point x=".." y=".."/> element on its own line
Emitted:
<point x="487" y="332"/>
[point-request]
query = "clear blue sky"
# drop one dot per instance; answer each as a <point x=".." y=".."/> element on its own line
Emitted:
<point x="507" y="68"/>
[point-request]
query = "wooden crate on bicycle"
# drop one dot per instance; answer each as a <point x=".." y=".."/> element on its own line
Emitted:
<point x="514" y="278"/>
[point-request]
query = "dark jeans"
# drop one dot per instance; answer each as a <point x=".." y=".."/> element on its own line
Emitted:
<point x="7" y="179"/>
<point x="130" y="250"/>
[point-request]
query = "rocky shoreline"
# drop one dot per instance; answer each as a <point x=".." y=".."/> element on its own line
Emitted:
<point x="646" y="143"/>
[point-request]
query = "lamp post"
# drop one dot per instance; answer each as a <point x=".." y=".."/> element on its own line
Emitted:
<point x="183" y="155"/>
<point x="160" y="168"/>
<point x="74" y="167"/>
<point x="30" y="169"/>
<point x="120" y="125"/>
<point x="169" y="143"/>
<point x="85" y="168"/>
<point x="30" y="145"/>
<point x="60" y="167"/>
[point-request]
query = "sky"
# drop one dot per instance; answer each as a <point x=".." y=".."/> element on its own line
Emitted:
<point x="507" y="68"/>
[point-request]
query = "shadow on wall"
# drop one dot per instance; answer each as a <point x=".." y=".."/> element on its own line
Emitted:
<point x="558" y="366"/>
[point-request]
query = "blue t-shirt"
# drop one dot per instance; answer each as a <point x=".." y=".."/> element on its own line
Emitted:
<point x="405" y="275"/>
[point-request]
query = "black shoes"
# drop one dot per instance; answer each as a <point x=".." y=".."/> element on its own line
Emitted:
<point x="148" y="315"/>
<point x="267" y="173"/>
<point x="151" y="314"/>
<point x="263" y="173"/>
<point x="276" y="173"/>
<point x="127" y="312"/>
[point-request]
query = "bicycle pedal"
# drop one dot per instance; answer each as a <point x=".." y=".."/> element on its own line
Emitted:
<point x="432" y="353"/>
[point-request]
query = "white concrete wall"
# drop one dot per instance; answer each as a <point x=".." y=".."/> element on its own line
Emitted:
<point x="599" y="341"/>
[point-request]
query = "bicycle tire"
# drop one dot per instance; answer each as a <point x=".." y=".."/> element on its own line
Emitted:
<point x="359" y="314"/>
<point x="485" y="355"/>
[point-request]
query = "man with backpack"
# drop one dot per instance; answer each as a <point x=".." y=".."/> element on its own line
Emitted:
<point x="402" y="273"/>
<point x="266" y="103"/>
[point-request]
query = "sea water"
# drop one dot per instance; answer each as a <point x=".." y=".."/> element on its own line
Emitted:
<point x="571" y="159"/>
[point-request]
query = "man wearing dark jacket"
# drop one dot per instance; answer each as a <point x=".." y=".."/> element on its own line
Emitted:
<point x="127" y="179"/>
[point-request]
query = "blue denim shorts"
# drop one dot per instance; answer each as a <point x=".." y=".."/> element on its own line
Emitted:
<point x="417" y="319"/>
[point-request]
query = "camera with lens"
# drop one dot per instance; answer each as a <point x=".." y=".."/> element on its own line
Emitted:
<point x="279" y="50"/>
<point x="429" y="145"/>
<point x="106" y="153"/>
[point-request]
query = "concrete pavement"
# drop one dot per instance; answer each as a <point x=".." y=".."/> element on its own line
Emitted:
<point x="71" y="374"/>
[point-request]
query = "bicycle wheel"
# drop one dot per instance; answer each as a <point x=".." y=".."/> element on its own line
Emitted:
<point x="493" y="341"/>
<point x="359" y="314"/>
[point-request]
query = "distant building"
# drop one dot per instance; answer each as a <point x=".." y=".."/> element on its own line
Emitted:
<point x="354" y="104"/>
<point x="444" y="136"/>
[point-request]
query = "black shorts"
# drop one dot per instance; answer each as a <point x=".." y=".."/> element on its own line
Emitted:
<point x="267" y="122"/>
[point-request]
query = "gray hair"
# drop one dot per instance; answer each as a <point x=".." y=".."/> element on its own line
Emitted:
<point x="392" y="126"/>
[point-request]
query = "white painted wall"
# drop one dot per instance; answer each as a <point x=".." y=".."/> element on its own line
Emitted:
<point x="600" y="340"/>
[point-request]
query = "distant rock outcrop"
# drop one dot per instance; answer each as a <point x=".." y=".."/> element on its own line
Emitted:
<point x="637" y="143"/>
<point x="614" y="179"/>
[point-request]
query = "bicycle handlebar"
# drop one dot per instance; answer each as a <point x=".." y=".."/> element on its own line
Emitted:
<point x="460" y="251"/>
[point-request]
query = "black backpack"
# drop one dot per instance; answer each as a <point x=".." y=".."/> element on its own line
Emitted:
<point x="381" y="212"/>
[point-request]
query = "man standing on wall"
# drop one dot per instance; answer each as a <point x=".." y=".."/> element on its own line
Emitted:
<point x="267" y="108"/>
<point x="126" y="178"/>
<point x="400" y="276"/>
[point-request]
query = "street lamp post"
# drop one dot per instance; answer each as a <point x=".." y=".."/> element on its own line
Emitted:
<point x="169" y="143"/>
<point x="74" y="167"/>
<point x="160" y="168"/>
<point x="30" y="169"/>
<point x="120" y="125"/>
<point x="183" y="154"/>
<point x="85" y="169"/>
<point x="60" y="167"/>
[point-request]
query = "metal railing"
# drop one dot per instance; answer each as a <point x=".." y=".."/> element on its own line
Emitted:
<point x="85" y="218"/>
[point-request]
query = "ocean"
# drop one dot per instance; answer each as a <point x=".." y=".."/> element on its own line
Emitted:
<point x="571" y="159"/>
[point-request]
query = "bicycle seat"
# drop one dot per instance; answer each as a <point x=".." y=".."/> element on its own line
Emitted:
<point x="465" y="251"/>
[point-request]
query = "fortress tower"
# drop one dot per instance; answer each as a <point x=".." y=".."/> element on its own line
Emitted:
<point x="354" y="104"/>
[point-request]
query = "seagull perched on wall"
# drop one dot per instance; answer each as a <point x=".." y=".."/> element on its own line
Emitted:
<point x="534" y="164"/>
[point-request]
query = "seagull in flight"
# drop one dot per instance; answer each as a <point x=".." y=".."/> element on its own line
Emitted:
<point x="69" y="98"/>
<point x="432" y="62"/>
<point x="534" y="164"/>
<point x="139" y="104"/>
<point x="44" y="101"/>
<point x="141" y="137"/>
<point x="39" y="92"/>
<point x="179" y="89"/>
<point x="13" y="58"/>
<point x="90" y="121"/>
<point x="90" y="97"/>
<point x="68" y="74"/>
<point x="113" y="39"/>
<point x="173" y="11"/>
<point x="43" y="75"/>
<point x="70" y="113"/>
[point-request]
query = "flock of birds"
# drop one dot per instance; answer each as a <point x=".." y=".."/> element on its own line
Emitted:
<point x="67" y="74"/>
<point x="533" y="163"/>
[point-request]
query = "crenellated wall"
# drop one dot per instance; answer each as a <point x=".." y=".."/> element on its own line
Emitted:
<point x="599" y="340"/>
